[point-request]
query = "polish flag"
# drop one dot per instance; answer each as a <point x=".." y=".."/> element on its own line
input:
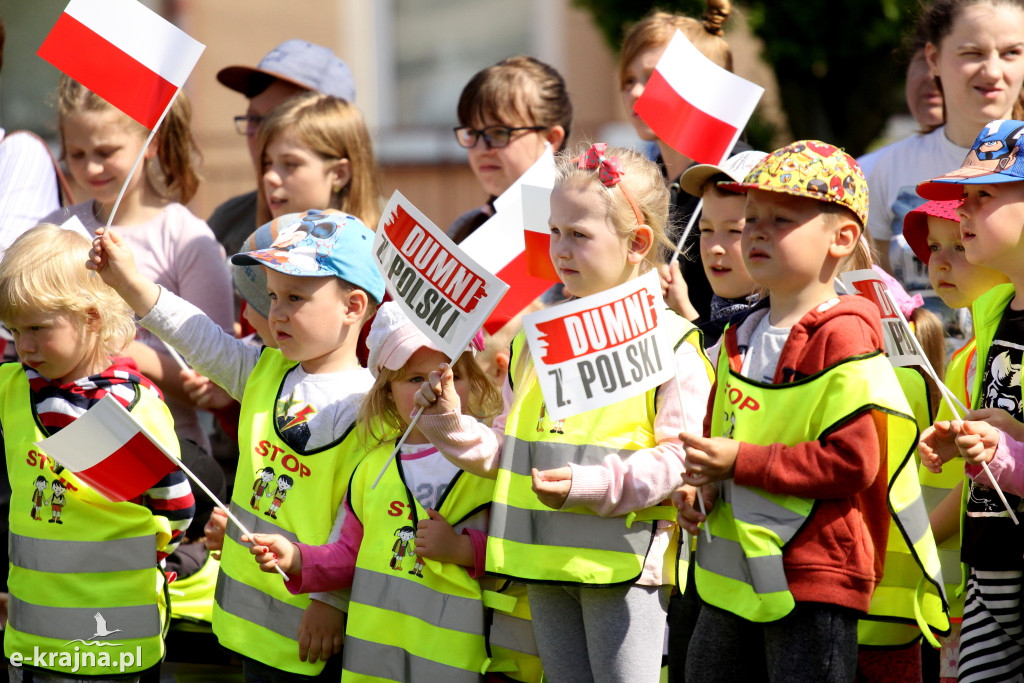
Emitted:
<point x="125" y="53"/>
<point x="695" y="106"/>
<point x="513" y="243"/>
<point x="111" y="452"/>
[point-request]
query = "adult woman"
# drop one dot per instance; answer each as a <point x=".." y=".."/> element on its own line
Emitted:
<point x="975" y="50"/>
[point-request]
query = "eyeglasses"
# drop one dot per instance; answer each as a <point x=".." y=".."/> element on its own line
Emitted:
<point x="494" y="137"/>
<point x="248" y="125"/>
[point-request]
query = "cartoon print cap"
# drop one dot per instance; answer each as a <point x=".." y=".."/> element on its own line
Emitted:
<point x="736" y="167"/>
<point x="813" y="169"/>
<point x="320" y="244"/>
<point x="915" y="224"/>
<point x="995" y="157"/>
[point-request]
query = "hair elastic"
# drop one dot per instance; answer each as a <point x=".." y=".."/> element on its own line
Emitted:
<point x="609" y="172"/>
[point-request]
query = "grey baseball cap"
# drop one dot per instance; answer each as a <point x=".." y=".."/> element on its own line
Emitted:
<point x="300" y="62"/>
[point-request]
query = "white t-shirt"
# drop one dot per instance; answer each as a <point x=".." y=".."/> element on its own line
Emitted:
<point x="764" y="351"/>
<point x="892" y="188"/>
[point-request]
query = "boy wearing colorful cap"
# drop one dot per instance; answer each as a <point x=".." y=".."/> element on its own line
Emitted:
<point x="990" y="184"/>
<point x="299" y="402"/>
<point x="720" y="225"/>
<point x="806" y="424"/>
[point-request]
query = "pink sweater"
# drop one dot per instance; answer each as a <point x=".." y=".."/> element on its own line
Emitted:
<point x="615" y="487"/>
<point x="1009" y="453"/>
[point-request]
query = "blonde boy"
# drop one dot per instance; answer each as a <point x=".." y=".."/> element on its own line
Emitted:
<point x="299" y="402"/>
<point x="805" y="415"/>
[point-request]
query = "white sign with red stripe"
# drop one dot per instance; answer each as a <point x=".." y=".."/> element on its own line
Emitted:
<point x="124" y="52"/>
<point x="899" y="347"/>
<point x="695" y="106"/>
<point x="447" y="294"/>
<point x="601" y="349"/>
<point x="111" y="452"/>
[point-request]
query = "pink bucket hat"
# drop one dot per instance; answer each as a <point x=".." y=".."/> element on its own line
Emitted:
<point x="915" y="224"/>
<point x="394" y="338"/>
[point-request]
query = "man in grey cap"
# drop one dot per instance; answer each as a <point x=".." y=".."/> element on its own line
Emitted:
<point x="293" y="67"/>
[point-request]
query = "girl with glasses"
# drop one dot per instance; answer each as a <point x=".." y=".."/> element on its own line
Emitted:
<point x="508" y="112"/>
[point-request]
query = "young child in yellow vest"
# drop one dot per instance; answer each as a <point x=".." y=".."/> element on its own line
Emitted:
<point x="416" y="537"/>
<point x="598" y="584"/>
<point x="806" y="419"/>
<point x="990" y="185"/>
<point x="299" y="402"/>
<point x="85" y="571"/>
<point x="932" y="232"/>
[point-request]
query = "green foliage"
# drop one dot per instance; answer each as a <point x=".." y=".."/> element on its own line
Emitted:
<point x="838" y="64"/>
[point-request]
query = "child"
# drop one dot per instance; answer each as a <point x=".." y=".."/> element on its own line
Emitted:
<point x="598" y="592"/>
<point x="508" y="114"/>
<point x="316" y="154"/>
<point x="991" y="184"/>
<point x="720" y="226"/>
<point x="299" y="402"/>
<point x="806" y="426"/>
<point x="85" y="555"/>
<point x="174" y="248"/>
<point x="434" y="619"/>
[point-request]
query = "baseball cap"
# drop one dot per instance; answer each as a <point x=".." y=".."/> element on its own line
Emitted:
<point x="813" y="169"/>
<point x="995" y="157"/>
<point x="736" y="167"/>
<point x="299" y="62"/>
<point x="915" y="224"/>
<point x="251" y="281"/>
<point x="320" y="244"/>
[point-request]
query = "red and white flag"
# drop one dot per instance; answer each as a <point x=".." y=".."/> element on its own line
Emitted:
<point x="513" y="243"/>
<point x="111" y="452"/>
<point x="695" y="106"/>
<point x="124" y="52"/>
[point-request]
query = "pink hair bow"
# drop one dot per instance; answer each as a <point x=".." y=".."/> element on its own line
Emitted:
<point x="609" y="169"/>
<point x="477" y="342"/>
<point x="907" y="304"/>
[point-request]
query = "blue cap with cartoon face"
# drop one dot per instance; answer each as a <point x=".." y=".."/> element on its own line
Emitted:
<point x="995" y="157"/>
<point x="319" y="244"/>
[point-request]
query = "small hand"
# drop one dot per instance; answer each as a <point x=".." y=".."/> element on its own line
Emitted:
<point x="1000" y="419"/>
<point x="215" y="529"/>
<point x="437" y="395"/>
<point x="685" y="499"/>
<point x="708" y="459"/>
<point x="203" y="392"/>
<point x="552" y="486"/>
<point x="321" y="632"/>
<point x="437" y="540"/>
<point x="675" y="290"/>
<point x="273" y="550"/>
<point x="938" y="444"/>
<point x="113" y="260"/>
<point x="978" y="441"/>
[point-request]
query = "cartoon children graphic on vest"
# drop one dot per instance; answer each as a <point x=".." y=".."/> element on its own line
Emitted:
<point x="259" y="487"/>
<point x="57" y="501"/>
<point x="284" y="483"/>
<point x="38" y="498"/>
<point x="402" y="546"/>
<point x="556" y="426"/>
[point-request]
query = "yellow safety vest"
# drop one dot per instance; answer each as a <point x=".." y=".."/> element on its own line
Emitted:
<point x="192" y="597"/>
<point x="529" y="541"/>
<point x="86" y="591"/>
<point x="410" y="618"/>
<point x="741" y="570"/>
<point x="254" y="614"/>
<point x="510" y="632"/>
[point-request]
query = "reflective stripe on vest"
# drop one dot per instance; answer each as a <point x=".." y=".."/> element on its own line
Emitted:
<point x="74" y="623"/>
<point x="96" y="566"/>
<point x="759" y="523"/>
<point x="510" y="636"/>
<point x="253" y="613"/>
<point x="529" y="541"/>
<point x="75" y="557"/>
<point x="422" y="620"/>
